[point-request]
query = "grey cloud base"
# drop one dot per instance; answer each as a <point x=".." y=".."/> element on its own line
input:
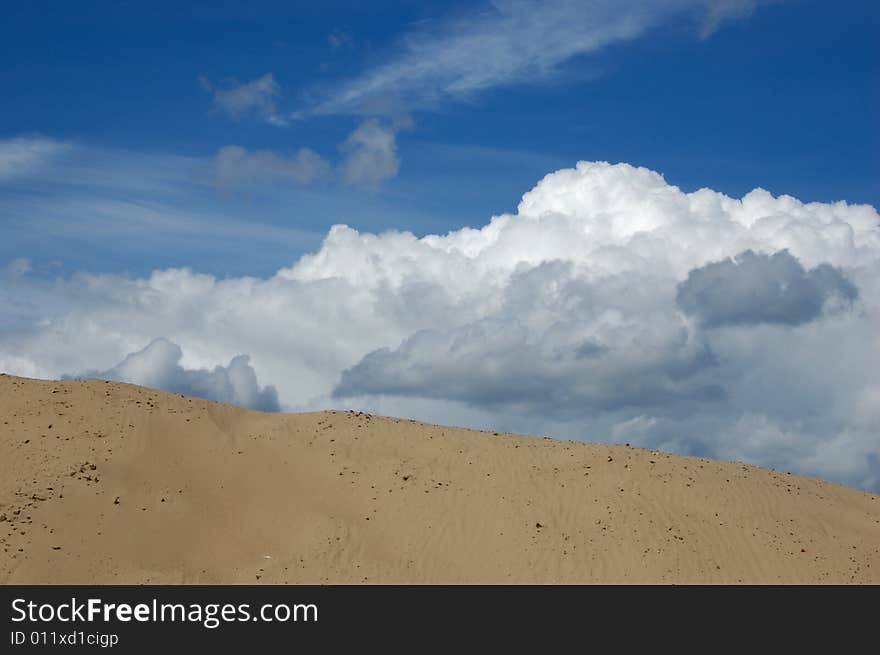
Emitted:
<point x="612" y="306"/>
<point x="753" y="288"/>
<point x="542" y="351"/>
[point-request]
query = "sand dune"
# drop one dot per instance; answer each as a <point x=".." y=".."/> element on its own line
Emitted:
<point x="112" y="483"/>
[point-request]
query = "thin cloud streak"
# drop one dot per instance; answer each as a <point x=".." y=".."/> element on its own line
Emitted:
<point x="510" y="42"/>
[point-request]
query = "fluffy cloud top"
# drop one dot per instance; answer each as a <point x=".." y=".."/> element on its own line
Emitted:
<point x="591" y="313"/>
<point x="158" y="366"/>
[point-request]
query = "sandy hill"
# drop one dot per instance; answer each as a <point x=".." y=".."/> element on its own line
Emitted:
<point x="112" y="483"/>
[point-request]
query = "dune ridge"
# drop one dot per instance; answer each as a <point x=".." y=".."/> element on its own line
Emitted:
<point x="112" y="483"/>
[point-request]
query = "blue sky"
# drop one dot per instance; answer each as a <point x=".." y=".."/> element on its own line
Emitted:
<point x="781" y="95"/>
<point x="647" y="222"/>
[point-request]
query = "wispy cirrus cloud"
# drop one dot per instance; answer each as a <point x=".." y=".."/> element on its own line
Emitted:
<point x="255" y="98"/>
<point x="22" y="155"/>
<point x="75" y="204"/>
<point x="510" y="42"/>
<point x="724" y="10"/>
<point x="339" y="39"/>
<point x="505" y="43"/>
<point x="236" y="165"/>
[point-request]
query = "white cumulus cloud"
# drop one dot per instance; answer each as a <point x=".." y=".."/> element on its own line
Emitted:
<point x="611" y="306"/>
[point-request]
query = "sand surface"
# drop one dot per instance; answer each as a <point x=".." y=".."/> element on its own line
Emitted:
<point x="112" y="483"/>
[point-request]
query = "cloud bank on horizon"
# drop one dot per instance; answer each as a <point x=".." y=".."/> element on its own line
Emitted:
<point x="611" y="306"/>
<point x="158" y="366"/>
